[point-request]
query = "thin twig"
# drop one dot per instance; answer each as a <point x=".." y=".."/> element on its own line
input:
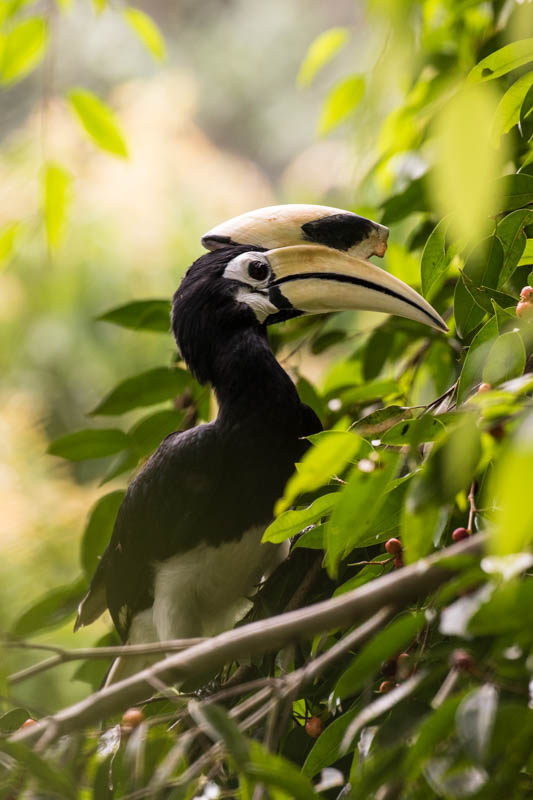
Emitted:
<point x="472" y="502"/>
<point x="64" y="656"/>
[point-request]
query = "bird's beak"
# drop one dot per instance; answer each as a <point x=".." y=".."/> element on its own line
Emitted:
<point x="313" y="279"/>
<point x="298" y="223"/>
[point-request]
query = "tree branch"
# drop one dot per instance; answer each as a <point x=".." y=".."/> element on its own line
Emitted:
<point x="397" y="589"/>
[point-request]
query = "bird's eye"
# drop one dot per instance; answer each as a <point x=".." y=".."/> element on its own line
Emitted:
<point x="258" y="270"/>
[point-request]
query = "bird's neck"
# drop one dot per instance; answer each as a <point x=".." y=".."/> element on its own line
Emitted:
<point x="251" y="387"/>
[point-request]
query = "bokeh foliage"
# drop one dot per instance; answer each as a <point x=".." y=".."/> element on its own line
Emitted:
<point x="412" y="449"/>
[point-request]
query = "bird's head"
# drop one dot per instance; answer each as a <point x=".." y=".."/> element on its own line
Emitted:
<point x="280" y="262"/>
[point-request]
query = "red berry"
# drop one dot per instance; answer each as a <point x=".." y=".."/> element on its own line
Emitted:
<point x="462" y="660"/>
<point x="314" y="727"/>
<point x="398" y="562"/>
<point x="524" y="310"/>
<point x="27" y="723"/>
<point x="459" y="534"/>
<point x="386" y="686"/>
<point x="484" y="387"/>
<point x="526" y="294"/>
<point x="132" y="717"/>
<point x="394" y="547"/>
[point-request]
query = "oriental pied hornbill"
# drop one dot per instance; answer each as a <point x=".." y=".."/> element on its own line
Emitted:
<point x="186" y="549"/>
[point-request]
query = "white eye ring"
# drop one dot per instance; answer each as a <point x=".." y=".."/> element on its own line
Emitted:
<point x="252" y="269"/>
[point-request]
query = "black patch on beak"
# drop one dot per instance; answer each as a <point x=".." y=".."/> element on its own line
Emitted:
<point x="340" y="231"/>
<point x="216" y="242"/>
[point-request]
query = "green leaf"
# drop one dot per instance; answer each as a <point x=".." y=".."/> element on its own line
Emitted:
<point x="23" y="48"/>
<point x="328" y="457"/>
<point x="435" y="728"/>
<point x="527" y="255"/>
<point x="511" y="485"/>
<point x="292" y="522"/>
<point x="483" y="268"/>
<point x="98" y="530"/>
<point x="327" y="748"/>
<point x="320" y="51"/>
<point x="274" y="770"/>
<point x="52" y="778"/>
<point x="359" y="502"/>
<point x="508" y="111"/>
<point x="421" y="525"/>
<point x="515" y="191"/>
<point x="372" y="390"/>
<point x="147" y="315"/>
<point x="218" y="725"/>
<point x="502" y="61"/>
<point x="98" y="121"/>
<point x="510" y="232"/>
<point x="423" y="429"/>
<point x="147" y="31"/>
<point x="56" y="198"/>
<point x="52" y="609"/>
<point x="149" y="432"/>
<point x="89" y="443"/>
<point x="527" y="106"/>
<point x="12" y="720"/>
<point x="506" y="359"/>
<point x="472" y="372"/>
<point x="475" y="721"/>
<point x="374" y="425"/>
<point x="413" y="198"/>
<point x="384" y="645"/>
<point x="146" y="389"/>
<point x="435" y="261"/>
<point x="341" y="101"/>
<point x="8" y="235"/>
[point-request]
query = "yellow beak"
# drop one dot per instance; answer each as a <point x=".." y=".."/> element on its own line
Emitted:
<point x="316" y="279"/>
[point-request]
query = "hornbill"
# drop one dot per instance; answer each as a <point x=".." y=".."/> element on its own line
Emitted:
<point x="186" y="552"/>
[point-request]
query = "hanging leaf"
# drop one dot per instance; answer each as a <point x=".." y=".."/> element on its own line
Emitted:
<point x="506" y="359"/>
<point x="89" y="443"/>
<point x="482" y="268"/>
<point x="331" y="452"/>
<point x="327" y="748"/>
<point x="292" y="522"/>
<point x="12" y="720"/>
<point x="147" y="31"/>
<point x="515" y="191"/>
<point x="147" y="434"/>
<point x="502" y="61"/>
<point x="341" y="101"/>
<point x="53" y="608"/>
<point x="510" y="232"/>
<point x="57" y="184"/>
<point x="98" y="121"/>
<point x="98" y="530"/>
<point x="320" y="51"/>
<point x="472" y="372"/>
<point x="508" y="112"/>
<point x="147" y="315"/>
<point x="435" y="261"/>
<point x="8" y="235"/>
<point x="23" y="48"/>
<point x="146" y="389"/>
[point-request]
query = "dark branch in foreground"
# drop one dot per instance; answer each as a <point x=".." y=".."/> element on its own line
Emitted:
<point x="396" y="589"/>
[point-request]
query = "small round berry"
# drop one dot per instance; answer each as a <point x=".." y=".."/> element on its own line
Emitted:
<point x="524" y="310"/>
<point x="398" y="562"/>
<point x="386" y="686"/>
<point x="459" y="534"/>
<point x="132" y="717"/>
<point x="497" y="432"/>
<point x="484" y="387"/>
<point x="462" y="660"/>
<point x="405" y="666"/>
<point x="314" y="727"/>
<point x="394" y="547"/>
<point x="27" y="723"/>
<point x="526" y="294"/>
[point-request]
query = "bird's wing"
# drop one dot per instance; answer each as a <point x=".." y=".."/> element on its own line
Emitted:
<point x="166" y="510"/>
